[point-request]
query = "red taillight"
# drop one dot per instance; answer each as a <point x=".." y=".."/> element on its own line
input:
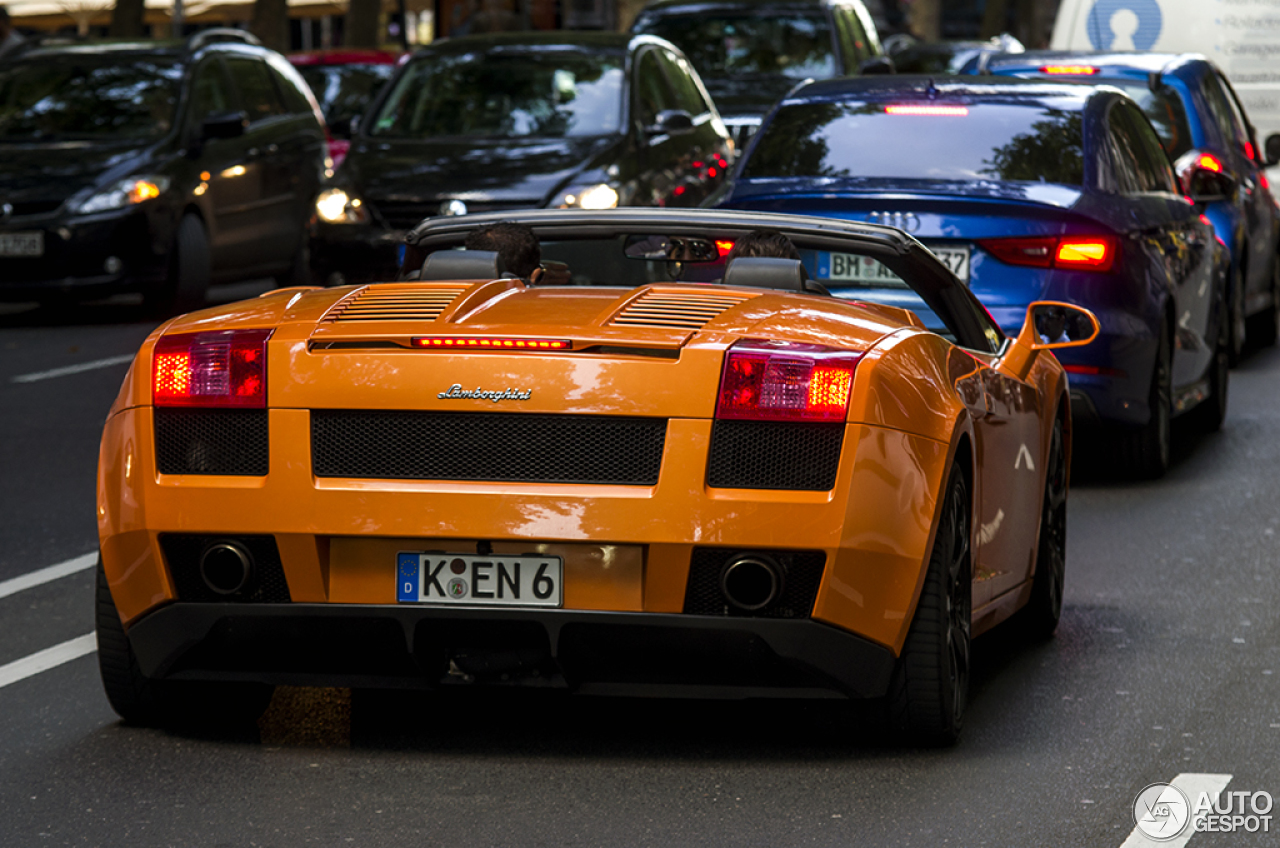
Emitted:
<point x="1069" y="70"/>
<point x="1210" y="163"/>
<point x="490" y="343"/>
<point x="784" y="381"/>
<point x="936" y="111"/>
<point x="1093" y="254"/>
<point x="227" y="368"/>
<point x="1248" y="149"/>
<point x="723" y="246"/>
<point x="1079" y="253"/>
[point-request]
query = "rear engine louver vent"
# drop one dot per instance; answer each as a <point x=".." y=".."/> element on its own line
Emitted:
<point x="683" y="310"/>
<point x="386" y="302"/>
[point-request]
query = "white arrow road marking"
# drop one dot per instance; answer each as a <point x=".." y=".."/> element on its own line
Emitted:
<point x="1191" y="785"/>
<point x="45" y="575"/>
<point x="1023" y="453"/>
<point x="73" y="369"/>
<point x="47" y="659"/>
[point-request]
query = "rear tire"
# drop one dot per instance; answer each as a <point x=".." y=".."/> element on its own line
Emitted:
<point x="189" y="270"/>
<point x="1144" y="453"/>
<point x="1039" y="618"/>
<point x="930" y="683"/>
<point x="1267" y="324"/>
<point x="143" y="701"/>
<point x="1210" y="413"/>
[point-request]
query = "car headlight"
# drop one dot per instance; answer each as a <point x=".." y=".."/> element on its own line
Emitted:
<point x="335" y="206"/>
<point x="598" y="196"/>
<point x="121" y="193"/>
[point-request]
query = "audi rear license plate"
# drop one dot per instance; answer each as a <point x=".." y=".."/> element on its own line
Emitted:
<point x="22" y="244"/>
<point x="497" y="580"/>
<point x="852" y="268"/>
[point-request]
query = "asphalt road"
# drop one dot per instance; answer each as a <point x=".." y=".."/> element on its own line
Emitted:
<point x="1167" y="663"/>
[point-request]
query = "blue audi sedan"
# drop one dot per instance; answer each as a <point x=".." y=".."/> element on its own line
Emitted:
<point x="1203" y="127"/>
<point x="1029" y="191"/>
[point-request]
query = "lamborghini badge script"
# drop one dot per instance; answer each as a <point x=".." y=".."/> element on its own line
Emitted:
<point x="456" y="392"/>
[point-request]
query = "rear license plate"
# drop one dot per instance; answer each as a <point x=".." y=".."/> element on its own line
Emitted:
<point x="22" y="244"/>
<point x="521" y="580"/>
<point x="852" y="268"/>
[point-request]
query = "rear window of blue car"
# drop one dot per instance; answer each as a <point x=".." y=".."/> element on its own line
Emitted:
<point x="1027" y="142"/>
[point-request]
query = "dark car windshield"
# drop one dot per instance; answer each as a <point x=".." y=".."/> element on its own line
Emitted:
<point x="505" y="95"/>
<point x="87" y="98"/>
<point x="344" y="91"/>
<point x="787" y="44"/>
<point x="1027" y="141"/>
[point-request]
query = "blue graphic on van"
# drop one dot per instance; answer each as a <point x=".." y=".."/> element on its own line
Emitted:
<point x="1110" y="28"/>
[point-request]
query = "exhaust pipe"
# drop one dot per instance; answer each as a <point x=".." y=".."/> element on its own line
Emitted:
<point x="226" y="568"/>
<point x="751" y="582"/>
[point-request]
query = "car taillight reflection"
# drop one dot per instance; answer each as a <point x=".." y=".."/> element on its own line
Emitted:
<point x="224" y="369"/>
<point x="786" y="381"/>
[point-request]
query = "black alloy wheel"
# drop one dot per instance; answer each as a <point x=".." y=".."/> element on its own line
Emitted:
<point x="1143" y="453"/>
<point x="930" y="685"/>
<point x="1040" y="616"/>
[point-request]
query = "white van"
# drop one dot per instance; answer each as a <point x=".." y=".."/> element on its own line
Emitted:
<point x="1242" y="37"/>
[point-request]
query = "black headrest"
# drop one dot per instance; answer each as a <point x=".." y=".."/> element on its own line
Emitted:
<point x="462" y="265"/>
<point x="767" y="272"/>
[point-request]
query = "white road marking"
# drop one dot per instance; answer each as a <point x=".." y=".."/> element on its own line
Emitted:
<point x="47" y="659"/>
<point x="45" y="575"/>
<point x="73" y="369"/>
<point x="1191" y="785"/>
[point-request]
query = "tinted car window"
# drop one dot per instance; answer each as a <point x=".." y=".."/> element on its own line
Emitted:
<point x="1232" y="132"/>
<point x="1167" y="116"/>
<point x="258" y="94"/>
<point x="683" y="87"/>
<point x="653" y="92"/>
<point x="1238" y="119"/>
<point x="290" y="86"/>
<point x="549" y="95"/>
<point x="1153" y="162"/>
<point x="1124" y="151"/>
<point x="858" y="45"/>
<point x="793" y="45"/>
<point x="211" y="92"/>
<point x="84" y="97"/>
<point x="345" y="91"/>
<point x="1033" y="142"/>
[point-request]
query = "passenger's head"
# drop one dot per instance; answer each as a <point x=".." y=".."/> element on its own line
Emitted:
<point x="514" y="243"/>
<point x="767" y="243"/>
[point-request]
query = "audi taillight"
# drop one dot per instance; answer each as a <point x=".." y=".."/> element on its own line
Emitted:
<point x="224" y="368"/>
<point x="786" y="381"/>
<point x="1080" y="253"/>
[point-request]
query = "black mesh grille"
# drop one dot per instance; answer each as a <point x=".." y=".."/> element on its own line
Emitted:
<point x="498" y="446"/>
<point x="182" y="553"/>
<point x="774" y="455"/>
<point x="803" y="570"/>
<point x="212" y="441"/>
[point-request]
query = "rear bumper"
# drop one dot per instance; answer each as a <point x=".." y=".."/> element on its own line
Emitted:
<point x="408" y="646"/>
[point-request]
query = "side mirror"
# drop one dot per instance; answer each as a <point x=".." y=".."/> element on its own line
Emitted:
<point x="877" y="66"/>
<point x="1204" y="178"/>
<point x="671" y="122"/>
<point x="1271" y="147"/>
<point x="224" y="125"/>
<point x="1051" y="325"/>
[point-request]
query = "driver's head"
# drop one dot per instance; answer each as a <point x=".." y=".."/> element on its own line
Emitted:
<point x="767" y="243"/>
<point x="514" y="243"/>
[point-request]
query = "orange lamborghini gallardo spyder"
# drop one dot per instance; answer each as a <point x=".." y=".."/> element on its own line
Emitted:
<point x="659" y="473"/>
